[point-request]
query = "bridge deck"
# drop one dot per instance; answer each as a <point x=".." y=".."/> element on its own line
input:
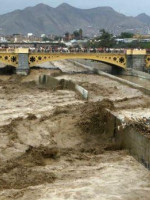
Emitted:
<point x="36" y="58"/>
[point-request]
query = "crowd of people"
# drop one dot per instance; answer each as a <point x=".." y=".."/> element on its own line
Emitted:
<point x="76" y="50"/>
<point x="57" y="49"/>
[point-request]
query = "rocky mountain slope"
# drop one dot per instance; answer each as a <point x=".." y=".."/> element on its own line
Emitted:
<point x="45" y="19"/>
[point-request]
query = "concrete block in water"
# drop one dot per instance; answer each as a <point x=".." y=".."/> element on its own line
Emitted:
<point x="49" y="81"/>
<point x="67" y="84"/>
<point x="53" y="83"/>
<point x="82" y="91"/>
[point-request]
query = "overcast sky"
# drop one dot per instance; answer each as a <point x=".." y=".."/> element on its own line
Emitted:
<point x="128" y="7"/>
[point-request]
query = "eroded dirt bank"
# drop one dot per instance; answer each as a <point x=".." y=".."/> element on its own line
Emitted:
<point x="54" y="145"/>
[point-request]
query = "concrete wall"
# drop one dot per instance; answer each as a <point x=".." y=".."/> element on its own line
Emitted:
<point x="125" y="82"/>
<point x="136" y="62"/>
<point x="137" y="144"/>
<point x="49" y="81"/>
<point x="83" y="92"/>
<point x="136" y="73"/>
<point x="129" y="138"/>
<point x="53" y="83"/>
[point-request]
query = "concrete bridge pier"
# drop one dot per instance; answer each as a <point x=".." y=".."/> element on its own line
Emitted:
<point x="136" y="59"/>
<point x="23" y="62"/>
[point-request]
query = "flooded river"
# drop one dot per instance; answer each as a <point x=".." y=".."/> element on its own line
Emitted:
<point x="54" y="145"/>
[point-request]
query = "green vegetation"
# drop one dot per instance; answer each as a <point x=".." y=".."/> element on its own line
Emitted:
<point x="78" y="34"/>
<point x="107" y="40"/>
<point x="57" y="38"/>
<point x="126" y="35"/>
<point x="134" y="44"/>
<point x="104" y="40"/>
<point x="46" y="39"/>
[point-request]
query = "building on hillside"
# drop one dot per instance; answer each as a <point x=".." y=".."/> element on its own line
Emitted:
<point x="3" y="39"/>
<point x="126" y="40"/>
<point x="43" y="35"/>
<point x="33" y="38"/>
<point x="18" y="38"/>
<point x="29" y="35"/>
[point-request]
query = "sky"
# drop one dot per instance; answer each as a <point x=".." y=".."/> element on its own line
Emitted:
<point x="128" y="7"/>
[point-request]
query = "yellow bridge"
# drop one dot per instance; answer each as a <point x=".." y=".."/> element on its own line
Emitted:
<point x="22" y="57"/>
<point x="115" y="59"/>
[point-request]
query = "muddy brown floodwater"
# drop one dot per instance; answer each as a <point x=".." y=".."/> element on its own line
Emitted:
<point x="141" y="81"/>
<point x="54" y="145"/>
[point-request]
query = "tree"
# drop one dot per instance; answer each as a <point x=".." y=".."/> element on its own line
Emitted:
<point x="81" y="34"/>
<point x="46" y="39"/>
<point x="57" y="38"/>
<point x="67" y="34"/>
<point x="126" y="35"/>
<point x="76" y="34"/>
<point x="106" y="39"/>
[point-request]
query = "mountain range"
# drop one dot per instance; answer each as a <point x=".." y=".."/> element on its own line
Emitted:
<point x="45" y="19"/>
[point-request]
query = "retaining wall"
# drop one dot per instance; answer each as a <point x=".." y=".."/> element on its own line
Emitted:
<point x="125" y="82"/>
<point x="53" y="83"/>
<point x="136" y="73"/>
<point x="137" y="143"/>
